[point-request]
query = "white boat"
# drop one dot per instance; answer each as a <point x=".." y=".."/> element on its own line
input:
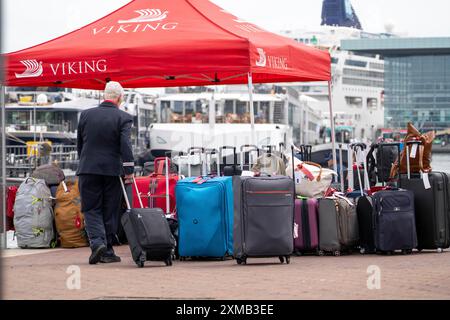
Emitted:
<point x="184" y="120"/>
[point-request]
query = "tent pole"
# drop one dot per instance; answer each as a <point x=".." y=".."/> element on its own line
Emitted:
<point x="3" y="167"/>
<point x="212" y="110"/>
<point x="333" y="134"/>
<point x="252" y="107"/>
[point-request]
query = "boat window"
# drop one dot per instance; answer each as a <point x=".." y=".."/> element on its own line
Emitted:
<point x="241" y="107"/>
<point x="355" y="102"/>
<point x="372" y="103"/>
<point x="356" y="63"/>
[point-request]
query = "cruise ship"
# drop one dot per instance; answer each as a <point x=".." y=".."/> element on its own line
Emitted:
<point x="282" y="116"/>
<point x="357" y="84"/>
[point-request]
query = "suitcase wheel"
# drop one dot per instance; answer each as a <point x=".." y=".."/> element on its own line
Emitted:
<point x="337" y="253"/>
<point x="281" y="259"/>
<point x="321" y="253"/>
<point x="142" y="259"/>
<point x="241" y="260"/>
<point x="440" y="250"/>
<point x="288" y="259"/>
<point x="168" y="262"/>
<point x="362" y="251"/>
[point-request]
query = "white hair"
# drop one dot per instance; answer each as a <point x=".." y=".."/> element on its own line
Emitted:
<point x="113" y="90"/>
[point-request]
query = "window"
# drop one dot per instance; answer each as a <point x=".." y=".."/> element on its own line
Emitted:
<point x="376" y="65"/>
<point x="334" y="60"/>
<point x="363" y="73"/>
<point x="354" y="101"/>
<point x="363" y="82"/>
<point x="356" y="63"/>
<point x="229" y="106"/>
<point x="372" y="103"/>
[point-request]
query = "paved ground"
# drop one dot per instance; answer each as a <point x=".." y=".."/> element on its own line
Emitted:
<point x="42" y="275"/>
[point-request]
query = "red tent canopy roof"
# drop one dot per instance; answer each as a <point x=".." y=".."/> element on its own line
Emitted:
<point x="163" y="43"/>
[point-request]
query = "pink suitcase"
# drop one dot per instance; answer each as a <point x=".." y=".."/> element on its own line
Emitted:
<point x="306" y="230"/>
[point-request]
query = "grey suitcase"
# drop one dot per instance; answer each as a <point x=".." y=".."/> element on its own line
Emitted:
<point x="263" y="218"/>
<point x="338" y="226"/>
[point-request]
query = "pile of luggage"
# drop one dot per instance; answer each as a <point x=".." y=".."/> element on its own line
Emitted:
<point x="251" y="209"/>
<point x="45" y="211"/>
<point x="268" y="204"/>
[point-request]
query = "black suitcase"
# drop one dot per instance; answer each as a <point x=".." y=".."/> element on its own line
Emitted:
<point x="432" y="208"/>
<point x="263" y="218"/>
<point x="387" y="218"/>
<point x="395" y="222"/>
<point x="148" y="233"/>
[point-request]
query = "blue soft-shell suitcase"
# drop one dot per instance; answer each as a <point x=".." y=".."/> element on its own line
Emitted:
<point x="205" y="217"/>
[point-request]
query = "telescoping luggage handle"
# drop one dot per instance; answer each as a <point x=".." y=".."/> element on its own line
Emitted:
<point x="250" y="148"/>
<point x="415" y="145"/>
<point x="221" y="149"/>
<point x="355" y="147"/>
<point x="208" y="155"/>
<point x="193" y="151"/>
<point x="169" y="154"/>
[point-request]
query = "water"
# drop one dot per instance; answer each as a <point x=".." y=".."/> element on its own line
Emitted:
<point x="441" y="162"/>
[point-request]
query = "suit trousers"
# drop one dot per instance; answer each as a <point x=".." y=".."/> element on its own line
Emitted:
<point x="101" y="199"/>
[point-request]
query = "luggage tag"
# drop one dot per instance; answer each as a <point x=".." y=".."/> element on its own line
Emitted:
<point x="246" y="173"/>
<point x="426" y="181"/>
<point x="298" y="177"/>
<point x="65" y="187"/>
<point x="413" y="151"/>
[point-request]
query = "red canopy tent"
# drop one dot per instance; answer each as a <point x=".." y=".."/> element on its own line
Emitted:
<point x="163" y="43"/>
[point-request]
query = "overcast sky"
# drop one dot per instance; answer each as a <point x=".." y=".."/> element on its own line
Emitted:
<point x="30" y="22"/>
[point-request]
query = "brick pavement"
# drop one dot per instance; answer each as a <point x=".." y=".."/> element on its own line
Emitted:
<point x="43" y="276"/>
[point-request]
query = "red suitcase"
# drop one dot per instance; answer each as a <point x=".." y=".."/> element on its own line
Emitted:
<point x="153" y="189"/>
<point x="10" y="199"/>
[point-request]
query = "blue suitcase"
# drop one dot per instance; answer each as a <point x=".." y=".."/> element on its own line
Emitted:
<point x="205" y="217"/>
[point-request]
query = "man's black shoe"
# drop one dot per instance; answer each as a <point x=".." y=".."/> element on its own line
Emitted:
<point x="110" y="259"/>
<point x="97" y="253"/>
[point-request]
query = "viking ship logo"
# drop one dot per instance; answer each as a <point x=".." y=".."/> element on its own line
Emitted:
<point x="34" y="69"/>
<point x="262" y="62"/>
<point x="147" y="15"/>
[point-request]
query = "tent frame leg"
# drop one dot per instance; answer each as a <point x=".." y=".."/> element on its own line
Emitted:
<point x="3" y="168"/>
<point x="252" y="108"/>
<point x="333" y="130"/>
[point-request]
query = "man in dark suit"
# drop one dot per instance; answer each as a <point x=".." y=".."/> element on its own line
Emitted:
<point x="105" y="152"/>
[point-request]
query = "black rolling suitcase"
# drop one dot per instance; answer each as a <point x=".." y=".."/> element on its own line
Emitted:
<point x="432" y="207"/>
<point x="387" y="218"/>
<point x="395" y="223"/>
<point x="148" y="233"/>
<point x="263" y="218"/>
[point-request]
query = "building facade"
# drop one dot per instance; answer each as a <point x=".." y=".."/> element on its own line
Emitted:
<point x="416" y="80"/>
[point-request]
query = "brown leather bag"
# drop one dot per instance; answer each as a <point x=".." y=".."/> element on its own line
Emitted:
<point x="68" y="216"/>
<point x="422" y="161"/>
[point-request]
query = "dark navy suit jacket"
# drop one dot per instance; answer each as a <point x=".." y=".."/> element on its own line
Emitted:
<point x="104" y="141"/>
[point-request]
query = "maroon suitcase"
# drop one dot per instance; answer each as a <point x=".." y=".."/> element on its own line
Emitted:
<point x="306" y="229"/>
